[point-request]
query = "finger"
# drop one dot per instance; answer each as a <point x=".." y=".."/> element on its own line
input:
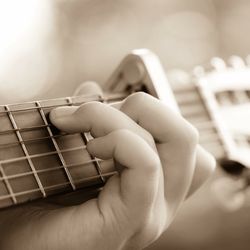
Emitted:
<point x="144" y="108"/>
<point x="176" y="137"/>
<point x="88" y="88"/>
<point x="156" y="117"/>
<point x="204" y="167"/>
<point x="97" y="118"/>
<point x="139" y="179"/>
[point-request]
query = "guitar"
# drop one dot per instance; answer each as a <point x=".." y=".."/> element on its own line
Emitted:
<point x="37" y="161"/>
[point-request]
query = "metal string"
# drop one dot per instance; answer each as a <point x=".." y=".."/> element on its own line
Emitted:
<point x="10" y="131"/>
<point x="56" y="186"/>
<point x="108" y="98"/>
<point x="46" y="170"/>
<point x="22" y="158"/>
<point x="32" y="140"/>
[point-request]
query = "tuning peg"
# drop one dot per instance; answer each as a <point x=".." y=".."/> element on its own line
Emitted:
<point x="218" y="63"/>
<point x="237" y="62"/>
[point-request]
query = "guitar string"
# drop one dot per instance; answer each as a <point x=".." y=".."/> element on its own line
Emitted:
<point x="31" y="128"/>
<point x="33" y="140"/>
<point x="109" y="98"/>
<point x="46" y="170"/>
<point x="37" y="126"/>
<point x="206" y="141"/>
<point x="201" y="125"/>
<point x="23" y="158"/>
<point x="51" y="136"/>
<point x="48" y="188"/>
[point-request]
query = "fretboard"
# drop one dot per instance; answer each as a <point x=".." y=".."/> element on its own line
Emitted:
<point x="36" y="160"/>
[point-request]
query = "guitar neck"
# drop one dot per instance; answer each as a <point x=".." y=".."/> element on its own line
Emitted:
<point x="36" y="160"/>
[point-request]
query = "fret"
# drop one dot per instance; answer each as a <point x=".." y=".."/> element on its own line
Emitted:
<point x="56" y="146"/>
<point x="56" y="186"/>
<point x="40" y="155"/>
<point x="85" y="140"/>
<point x="8" y="186"/>
<point x="96" y="162"/>
<point x="60" y="102"/>
<point x="19" y="136"/>
<point x="46" y="170"/>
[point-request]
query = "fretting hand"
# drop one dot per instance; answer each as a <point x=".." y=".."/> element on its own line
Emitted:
<point x="162" y="164"/>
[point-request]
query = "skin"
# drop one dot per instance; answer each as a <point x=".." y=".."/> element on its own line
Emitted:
<point x="162" y="163"/>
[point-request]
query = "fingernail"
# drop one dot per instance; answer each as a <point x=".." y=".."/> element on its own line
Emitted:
<point x="62" y="112"/>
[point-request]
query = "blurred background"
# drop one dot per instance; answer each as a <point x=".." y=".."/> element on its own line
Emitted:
<point x="47" y="48"/>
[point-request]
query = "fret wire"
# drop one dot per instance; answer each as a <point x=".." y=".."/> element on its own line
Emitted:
<point x="40" y="155"/>
<point x="18" y="134"/>
<point x="116" y="96"/>
<point x="85" y="140"/>
<point x="56" y="146"/>
<point x="46" y="170"/>
<point x="95" y="161"/>
<point x="78" y="181"/>
<point x="8" y="186"/>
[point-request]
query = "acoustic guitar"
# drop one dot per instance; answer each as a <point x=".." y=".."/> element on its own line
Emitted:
<point x="37" y="160"/>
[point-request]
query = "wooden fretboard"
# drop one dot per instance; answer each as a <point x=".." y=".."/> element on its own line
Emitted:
<point x="36" y="160"/>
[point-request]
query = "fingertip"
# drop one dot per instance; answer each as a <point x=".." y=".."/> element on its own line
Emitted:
<point x="60" y="114"/>
<point x="90" y="146"/>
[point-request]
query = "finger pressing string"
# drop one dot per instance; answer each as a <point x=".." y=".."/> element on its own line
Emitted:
<point x="140" y="176"/>
<point x="97" y="118"/>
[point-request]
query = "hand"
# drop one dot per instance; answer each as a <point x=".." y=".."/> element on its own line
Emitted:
<point x="158" y="151"/>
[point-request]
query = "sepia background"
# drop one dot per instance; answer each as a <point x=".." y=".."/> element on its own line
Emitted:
<point x="48" y="47"/>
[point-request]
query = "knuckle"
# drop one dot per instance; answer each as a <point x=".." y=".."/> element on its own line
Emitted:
<point x="136" y="98"/>
<point x="122" y="134"/>
<point x="153" y="162"/>
<point x="90" y="107"/>
<point x="189" y="135"/>
<point x="148" y="137"/>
